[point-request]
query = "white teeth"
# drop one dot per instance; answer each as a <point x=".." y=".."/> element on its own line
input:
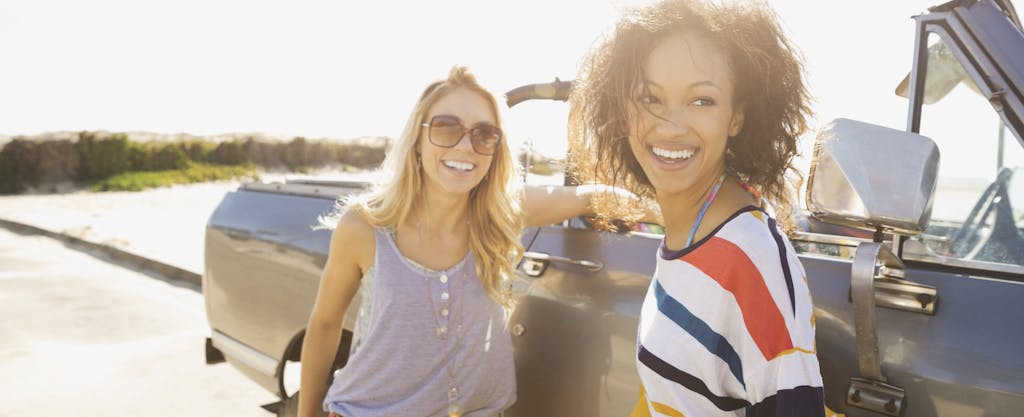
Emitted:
<point x="670" y="154"/>
<point x="461" y="166"/>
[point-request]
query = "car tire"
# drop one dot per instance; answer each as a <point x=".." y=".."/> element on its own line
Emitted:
<point x="289" y="407"/>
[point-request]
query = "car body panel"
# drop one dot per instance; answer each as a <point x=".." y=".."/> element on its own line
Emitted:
<point x="965" y="357"/>
<point x="578" y="339"/>
<point x="263" y="265"/>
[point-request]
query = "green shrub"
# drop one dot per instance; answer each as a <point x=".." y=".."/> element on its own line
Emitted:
<point x="296" y="153"/>
<point x="229" y="153"/>
<point x="168" y="156"/>
<point x="19" y="166"/>
<point x="139" y="158"/>
<point x="101" y="157"/>
<point x="361" y="156"/>
<point x="137" y="181"/>
<point x="199" y="151"/>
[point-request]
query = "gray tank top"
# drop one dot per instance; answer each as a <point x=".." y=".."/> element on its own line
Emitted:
<point x="419" y="333"/>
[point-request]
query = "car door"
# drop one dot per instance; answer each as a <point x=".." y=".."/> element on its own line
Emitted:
<point x="957" y="351"/>
<point x="574" y="328"/>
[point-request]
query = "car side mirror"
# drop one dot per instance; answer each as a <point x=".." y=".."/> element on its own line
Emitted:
<point x="880" y="179"/>
<point x="872" y="177"/>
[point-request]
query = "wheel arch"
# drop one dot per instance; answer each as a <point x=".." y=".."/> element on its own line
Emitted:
<point x="293" y="353"/>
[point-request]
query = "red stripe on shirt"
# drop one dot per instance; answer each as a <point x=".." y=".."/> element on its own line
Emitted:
<point x="728" y="265"/>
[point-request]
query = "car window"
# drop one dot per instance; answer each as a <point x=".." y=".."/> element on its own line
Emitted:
<point x="1016" y="192"/>
<point x="539" y="151"/>
<point x="976" y="214"/>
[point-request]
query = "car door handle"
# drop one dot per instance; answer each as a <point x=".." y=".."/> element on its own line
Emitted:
<point x="534" y="263"/>
<point x="236" y="234"/>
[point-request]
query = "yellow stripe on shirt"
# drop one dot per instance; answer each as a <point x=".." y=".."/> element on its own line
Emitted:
<point x="666" y="410"/>
<point x="640" y="409"/>
<point x="794" y="350"/>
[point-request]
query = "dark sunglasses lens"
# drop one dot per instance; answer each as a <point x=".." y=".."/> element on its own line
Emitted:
<point x="485" y="138"/>
<point x="445" y="131"/>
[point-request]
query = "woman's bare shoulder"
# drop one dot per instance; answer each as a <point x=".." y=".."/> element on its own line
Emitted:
<point x="352" y="221"/>
<point x="353" y="239"/>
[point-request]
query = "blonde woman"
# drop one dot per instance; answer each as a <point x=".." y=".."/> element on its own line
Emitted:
<point x="432" y="245"/>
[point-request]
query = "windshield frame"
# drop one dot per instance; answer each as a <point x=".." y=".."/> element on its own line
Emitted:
<point x="979" y="35"/>
<point x="991" y="49"/>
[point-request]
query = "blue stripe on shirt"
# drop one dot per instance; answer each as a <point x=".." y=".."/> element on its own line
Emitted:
<point x="697" y="328"/>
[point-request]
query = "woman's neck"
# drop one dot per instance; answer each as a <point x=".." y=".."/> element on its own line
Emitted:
<point x="680" y="210"/>
<point x="439" y="215"/>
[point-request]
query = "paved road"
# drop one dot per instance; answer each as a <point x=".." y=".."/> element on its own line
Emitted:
<point x="83" y="337"/>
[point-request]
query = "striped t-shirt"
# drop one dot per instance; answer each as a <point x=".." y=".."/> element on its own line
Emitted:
<point x="727" y="327"/>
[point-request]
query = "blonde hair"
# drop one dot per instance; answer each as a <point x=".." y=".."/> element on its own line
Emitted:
<point x="495" y="215"/>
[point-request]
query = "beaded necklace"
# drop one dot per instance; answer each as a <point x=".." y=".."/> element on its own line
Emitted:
<point x="704" y="209"/>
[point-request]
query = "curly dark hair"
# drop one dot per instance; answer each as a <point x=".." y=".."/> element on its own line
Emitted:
<point x="766" y="70"/>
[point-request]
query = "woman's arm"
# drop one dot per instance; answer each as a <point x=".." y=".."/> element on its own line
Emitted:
<point x="544" y="205"/>
<point x="351" y="252"/>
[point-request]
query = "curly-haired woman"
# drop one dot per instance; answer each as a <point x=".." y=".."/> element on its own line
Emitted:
<point x="698" y="105"/>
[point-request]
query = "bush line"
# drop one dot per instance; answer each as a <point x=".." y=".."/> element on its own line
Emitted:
<point x="104" y="160"/>
<point x="112" y="161"/>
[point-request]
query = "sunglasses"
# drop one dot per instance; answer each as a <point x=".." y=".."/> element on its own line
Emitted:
<point x="446" y="131"/>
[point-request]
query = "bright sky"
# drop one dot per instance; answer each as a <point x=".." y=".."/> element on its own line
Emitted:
<point x="344" y="69"/>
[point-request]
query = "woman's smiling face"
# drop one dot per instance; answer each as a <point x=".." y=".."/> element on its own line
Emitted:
<point x="459" y="168"/>
<point x="684" y="114"/>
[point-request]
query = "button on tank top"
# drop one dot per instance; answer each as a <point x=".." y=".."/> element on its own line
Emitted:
<point x="419" y="333"/>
